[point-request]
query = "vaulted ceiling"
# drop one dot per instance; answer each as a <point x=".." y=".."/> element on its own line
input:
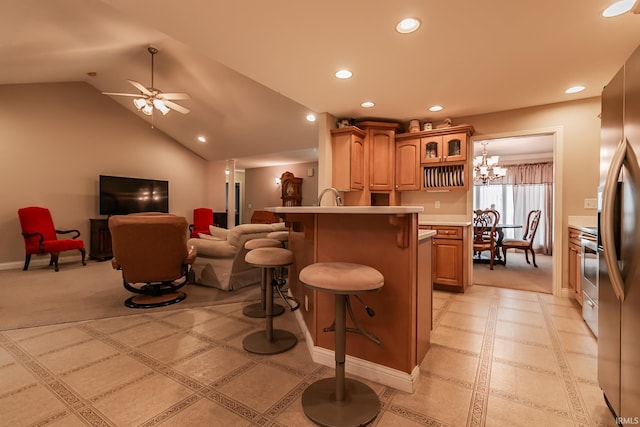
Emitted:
<point x="254" y="69"/>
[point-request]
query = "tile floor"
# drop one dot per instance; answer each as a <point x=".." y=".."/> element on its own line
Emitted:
<point x="498" y="357"/>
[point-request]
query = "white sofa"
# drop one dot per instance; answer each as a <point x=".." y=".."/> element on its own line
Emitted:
<point x="220" y="262"/>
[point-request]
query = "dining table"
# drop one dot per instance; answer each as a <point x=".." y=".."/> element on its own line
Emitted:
<point x="497" y="256"/>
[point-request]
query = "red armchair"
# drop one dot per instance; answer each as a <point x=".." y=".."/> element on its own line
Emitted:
<point x="202" y="219"/>
<point x="40" y="236"/>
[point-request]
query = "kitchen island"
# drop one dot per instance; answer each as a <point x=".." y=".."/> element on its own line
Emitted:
<point x="383" y="237"/>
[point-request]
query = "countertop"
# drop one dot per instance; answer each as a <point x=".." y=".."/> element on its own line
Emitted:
<point x="446" y="223"/>
<point x="587" y="224"/>
<point x="425" y="234"/>
<point x="347" y="209"/>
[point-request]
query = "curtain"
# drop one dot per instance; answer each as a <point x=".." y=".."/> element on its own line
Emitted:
<point x="524" y="188"/>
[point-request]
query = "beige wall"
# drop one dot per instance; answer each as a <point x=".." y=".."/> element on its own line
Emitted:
<point x="55" y="140"/>
<point x="261" y="191"/>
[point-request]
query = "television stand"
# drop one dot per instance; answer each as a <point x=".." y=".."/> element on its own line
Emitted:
<point x="100" y="235"/>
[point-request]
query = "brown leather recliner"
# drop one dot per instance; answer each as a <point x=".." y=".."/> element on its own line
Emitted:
<point x="151" y="250"/>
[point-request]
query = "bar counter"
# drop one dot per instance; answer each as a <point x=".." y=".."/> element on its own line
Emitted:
<point x="385" y="238"/>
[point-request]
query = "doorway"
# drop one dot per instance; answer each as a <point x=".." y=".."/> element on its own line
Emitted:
<point x="237" y="199"/>
<point x="528" y="185"/>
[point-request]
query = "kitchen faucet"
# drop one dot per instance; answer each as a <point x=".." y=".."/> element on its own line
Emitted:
<point x="335" y="193"/>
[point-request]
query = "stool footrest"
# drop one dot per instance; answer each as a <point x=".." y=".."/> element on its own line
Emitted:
<point x="358" y="329"/>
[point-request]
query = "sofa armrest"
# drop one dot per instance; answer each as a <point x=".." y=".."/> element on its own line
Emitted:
<point x="213" y="248"/>
<point x="191" y="255"/>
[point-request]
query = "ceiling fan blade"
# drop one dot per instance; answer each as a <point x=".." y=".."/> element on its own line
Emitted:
<point x="140" y="87"/>
<point x="175" y="95"/>
<point x="174" y="106"/>
<point x="122" y="94"/>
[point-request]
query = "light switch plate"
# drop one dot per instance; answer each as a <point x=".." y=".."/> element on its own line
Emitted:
<point x="591" y="203"/>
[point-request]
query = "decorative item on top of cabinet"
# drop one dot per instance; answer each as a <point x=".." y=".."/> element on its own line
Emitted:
<point x="291" y="190"/>
<point x="449" y="266"/>
<point x="443" y="157"/>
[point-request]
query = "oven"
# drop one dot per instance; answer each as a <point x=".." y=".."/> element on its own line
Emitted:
<point x="589" y="280"/>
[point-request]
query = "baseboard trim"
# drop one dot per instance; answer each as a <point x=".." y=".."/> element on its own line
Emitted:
<point x="368" y="370"/>
<point x="44" y="261"/>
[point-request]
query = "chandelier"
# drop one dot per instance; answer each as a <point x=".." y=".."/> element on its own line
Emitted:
<point x="486" y="169"/>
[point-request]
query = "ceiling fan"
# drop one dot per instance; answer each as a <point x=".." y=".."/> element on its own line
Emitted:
<point x="150" y="97"/>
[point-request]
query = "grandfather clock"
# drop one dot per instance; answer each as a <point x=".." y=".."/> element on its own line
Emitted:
<point x="291" y="190"/>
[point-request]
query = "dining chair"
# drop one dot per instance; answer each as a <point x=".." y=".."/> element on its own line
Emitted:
<point x="484" y="233"/>
<point x="526" y="243"/>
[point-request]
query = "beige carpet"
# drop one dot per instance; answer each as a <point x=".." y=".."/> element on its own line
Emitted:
<point x="517" y="274"/>
<point x="41" y="296"/>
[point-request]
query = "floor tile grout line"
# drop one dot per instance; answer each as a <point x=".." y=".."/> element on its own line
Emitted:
<point x="480" y="392"/>
<point x="74" y="402"/>
<point x="167" y="371"/>
<point x="576" y="404"/>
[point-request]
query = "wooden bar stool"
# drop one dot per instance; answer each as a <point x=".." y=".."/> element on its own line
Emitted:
<point x="258" y="309"/>
<point x="341" y="401"/>
<point x="269" y="341"/>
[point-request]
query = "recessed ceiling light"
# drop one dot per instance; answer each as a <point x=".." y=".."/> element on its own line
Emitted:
<point x="367" y="104"/>
<point x="574" y="89"/>
<point x="408" y="25"/>
<point x="311" y="117"/>
<point x="436" y="108"/>
<point x="202" y="139"/>
<point x="618" y="8"/>
<point x="343" y="74"/>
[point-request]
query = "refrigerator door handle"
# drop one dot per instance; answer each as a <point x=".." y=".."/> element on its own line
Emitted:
<point x="607" y="219"/>
<point x="623" y="156"/>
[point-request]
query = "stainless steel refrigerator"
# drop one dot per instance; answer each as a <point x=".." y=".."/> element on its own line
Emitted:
<point x="619" y="237"/>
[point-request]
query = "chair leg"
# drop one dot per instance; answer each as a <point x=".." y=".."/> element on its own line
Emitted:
<point x="27" y="260"/>
<point x="84" y="261"/>
<point x="492" y="256"/>
<point x="504" y="255"/>
<point x="54" y="260"/>
<point x="533" y="257"/>
<point x="526" y="256"/>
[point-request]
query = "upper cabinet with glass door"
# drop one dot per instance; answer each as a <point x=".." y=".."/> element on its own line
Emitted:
<point x="443" y="148"/>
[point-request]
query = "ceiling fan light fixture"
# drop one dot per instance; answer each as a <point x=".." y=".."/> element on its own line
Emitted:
<point x="139" y="103"/>
<point x="159" y="104"/>
<point x="147" y="109"/>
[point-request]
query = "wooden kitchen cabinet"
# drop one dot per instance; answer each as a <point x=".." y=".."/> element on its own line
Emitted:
<point x="575" y="264"/>
<point x="448" y="268"/>
<point x="348" y="158"/>
<point x="381" y="144"/>
<point x="442" y="162"/>
<point x="408" y="165"/>
<point x="443" y="148"/>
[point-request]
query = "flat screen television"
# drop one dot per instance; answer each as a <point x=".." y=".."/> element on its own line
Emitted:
<point x="121" y="195"/>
